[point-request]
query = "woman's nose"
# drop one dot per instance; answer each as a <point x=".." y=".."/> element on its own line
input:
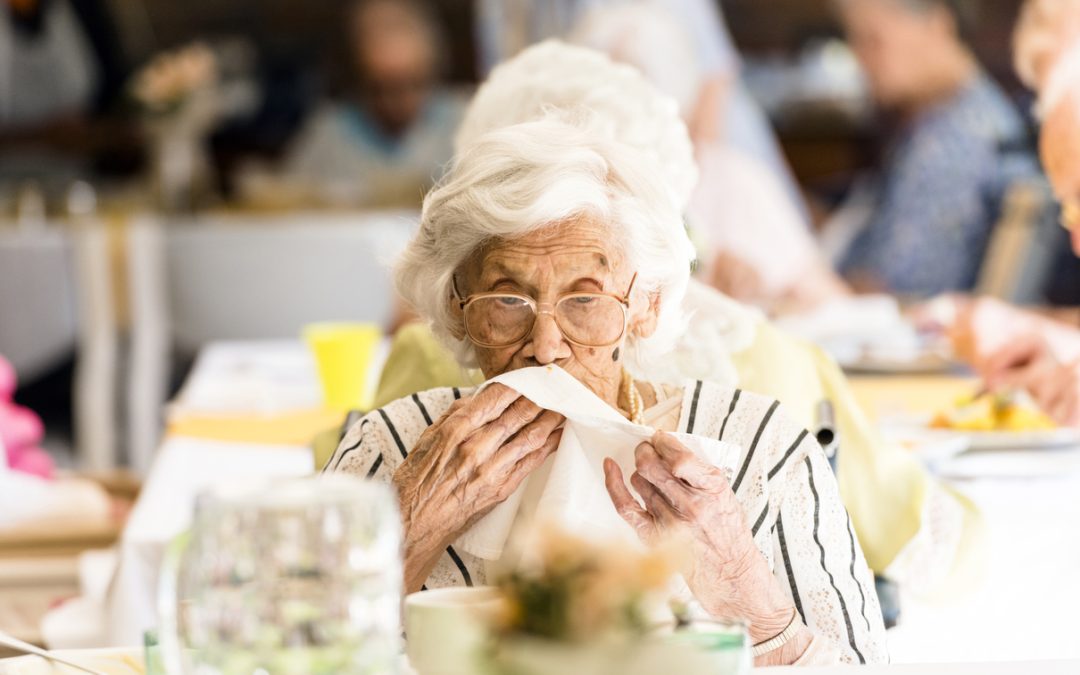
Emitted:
<point x="548" y="344"/>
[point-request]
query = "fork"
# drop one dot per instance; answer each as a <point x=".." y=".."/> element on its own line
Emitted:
<point x="15" y="643"/>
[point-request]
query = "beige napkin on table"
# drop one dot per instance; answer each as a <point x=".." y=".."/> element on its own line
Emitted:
<point x="573" y="495"/>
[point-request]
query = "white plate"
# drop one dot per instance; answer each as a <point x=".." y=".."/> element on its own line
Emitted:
<point x="934" y="451"/>
<point x="1011" y="464"/>
<point x="916" y="429"/>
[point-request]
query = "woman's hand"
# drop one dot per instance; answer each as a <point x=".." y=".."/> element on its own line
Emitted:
<point x="463" y="465"/>
<point x="728" y="575"/>
<point x="1029" y="363"/>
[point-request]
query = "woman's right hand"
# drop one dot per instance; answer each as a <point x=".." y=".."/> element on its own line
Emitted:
<point x="463" y="465"/>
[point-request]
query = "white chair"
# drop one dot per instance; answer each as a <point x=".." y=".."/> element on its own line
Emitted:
<point x="55" y="296"/>
<point x="234" y="278"/>
<point x="96" y="368"/>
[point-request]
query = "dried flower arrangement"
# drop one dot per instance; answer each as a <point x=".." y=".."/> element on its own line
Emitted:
<point x="578" y="606"/>
<point x="574" y="590"/>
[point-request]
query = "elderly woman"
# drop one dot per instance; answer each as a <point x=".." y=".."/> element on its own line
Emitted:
<point x="548" y="244"/>
<point x="911" y="528"/>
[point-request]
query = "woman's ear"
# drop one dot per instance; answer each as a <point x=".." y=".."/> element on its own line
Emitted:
<point x="457" y="316"/>
<point x="644" y="315"/>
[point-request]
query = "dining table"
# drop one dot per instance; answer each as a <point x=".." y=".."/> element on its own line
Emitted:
<point x="1016" y="612"/>
<point x="132" y="662"/>
<point x="1022" y="591"/>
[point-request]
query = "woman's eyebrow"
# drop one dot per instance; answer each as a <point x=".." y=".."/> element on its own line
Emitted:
<point x="588" y="280"/>
<point x="503" y="280"/>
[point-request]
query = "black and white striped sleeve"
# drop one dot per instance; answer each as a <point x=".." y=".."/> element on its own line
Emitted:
<point x="361" y="453"/>
<point x="817" y="557"/>
<point x="376" y="445"/>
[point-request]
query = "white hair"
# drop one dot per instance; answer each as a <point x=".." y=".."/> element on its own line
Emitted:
<point x="623" y="106"/>
<point x="526" y="177"/>
<point x="648" y="37"/>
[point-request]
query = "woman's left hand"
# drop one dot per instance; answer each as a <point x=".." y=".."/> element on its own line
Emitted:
<point x="682" y="493"/>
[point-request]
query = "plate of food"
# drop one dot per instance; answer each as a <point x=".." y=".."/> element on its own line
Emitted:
<point x="990" y="421"/>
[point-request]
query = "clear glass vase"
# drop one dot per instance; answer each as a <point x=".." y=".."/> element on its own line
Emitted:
<point x="294" y="576"/>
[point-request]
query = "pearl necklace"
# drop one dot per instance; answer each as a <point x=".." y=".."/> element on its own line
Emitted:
<point x="632" y="397"/>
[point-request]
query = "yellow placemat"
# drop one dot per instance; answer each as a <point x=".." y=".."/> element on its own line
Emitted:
<point x="884" y="394"/>
<point x="293" y="428"/>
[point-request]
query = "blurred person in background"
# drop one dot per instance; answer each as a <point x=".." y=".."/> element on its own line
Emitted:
<point x="722" y="109"/>
<point x="386" y="145"/>
<point x="60" y="69"/>
<point x="958" y="143"/>
<point x="1015" y="349"/>
<point x="753" y="243"/>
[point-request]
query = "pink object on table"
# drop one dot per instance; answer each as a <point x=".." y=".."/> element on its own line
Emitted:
<point x="19" y="426"/>
<point x="20" y="430"/>
<point x="7" y="380"/>
<point x="33" y="461"/>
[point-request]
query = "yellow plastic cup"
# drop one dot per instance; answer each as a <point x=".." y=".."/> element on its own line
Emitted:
<point x="343" y="354"/>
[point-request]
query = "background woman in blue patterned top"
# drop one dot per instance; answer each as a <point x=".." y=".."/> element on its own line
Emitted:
<point x="958" y="145"/>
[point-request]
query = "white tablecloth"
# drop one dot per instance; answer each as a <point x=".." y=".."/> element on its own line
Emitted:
<point x="241" y="377"/>
<point x="121" y="661"/>
<point x="182" y="469"/>
<point x="976" y="668"/>
<point x="1027" y="602"/>
<point x="257" y="376"/>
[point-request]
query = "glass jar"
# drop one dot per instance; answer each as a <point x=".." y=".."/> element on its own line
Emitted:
<point x="285" y="576"/>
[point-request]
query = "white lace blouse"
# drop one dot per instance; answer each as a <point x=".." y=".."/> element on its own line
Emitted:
<point x="783" y="483"/>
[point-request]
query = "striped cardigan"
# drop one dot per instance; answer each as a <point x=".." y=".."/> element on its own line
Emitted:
<point x="787" y="491"/>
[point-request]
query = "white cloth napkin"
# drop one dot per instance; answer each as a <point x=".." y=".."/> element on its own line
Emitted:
<point x="574" y="496"/>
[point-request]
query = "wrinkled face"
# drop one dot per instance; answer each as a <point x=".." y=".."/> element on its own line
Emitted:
<point x="896" y="47"/>
<point x="578" y="256"/>
<point x="1059" y="145"/>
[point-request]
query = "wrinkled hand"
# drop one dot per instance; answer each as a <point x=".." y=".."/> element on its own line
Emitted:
<point x="1028" y="363"/>
<point x="683" y="494"/>
<point x="463" y="465"/>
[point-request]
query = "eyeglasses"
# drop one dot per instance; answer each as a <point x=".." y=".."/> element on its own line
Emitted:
<point x="585" y="319"/>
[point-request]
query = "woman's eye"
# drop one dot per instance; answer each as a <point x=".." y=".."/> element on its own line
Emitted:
<point x="584" y="300"/>
<point x="508" y="301"/>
